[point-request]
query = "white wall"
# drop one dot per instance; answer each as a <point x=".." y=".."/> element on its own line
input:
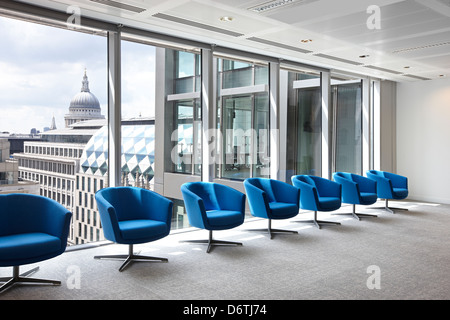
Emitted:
<point x="423" y="138"/>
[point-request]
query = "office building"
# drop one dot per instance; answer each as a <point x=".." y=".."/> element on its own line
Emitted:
<point x="9" y="173"/>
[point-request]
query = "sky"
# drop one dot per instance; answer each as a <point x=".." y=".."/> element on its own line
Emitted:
<point x="42" y="68"/>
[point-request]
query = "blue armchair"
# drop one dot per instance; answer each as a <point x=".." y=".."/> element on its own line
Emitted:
<point x="390" y="186"/>
<point x="212" y="206"/>
<point x="272" y="199"/>
<point x="357" y="189"/>
<point x="318" y="194"/>
<point x="131" y="215"/>
<point x="32" y="229"/>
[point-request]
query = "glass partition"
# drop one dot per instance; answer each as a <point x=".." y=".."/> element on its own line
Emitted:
<point x="347" y="109"/>
<point x="304" y="130"/>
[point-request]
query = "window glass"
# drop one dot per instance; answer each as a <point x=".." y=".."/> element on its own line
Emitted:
<point x="54" y="98"/>
<point x="304" y="128"/>
<point x="347" y="107"/>
<point x="243" y="120"/>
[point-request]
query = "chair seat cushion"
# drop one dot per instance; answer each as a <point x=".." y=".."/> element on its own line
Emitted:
<point x="283" y="210"/>
<point x="28" y="246"/>
<point x="329" y="203"/>
<point x="142" y="229"/>
<point x="400" y="193"/>
<point x="224" y="219"/>
<point x="368" y="198"/>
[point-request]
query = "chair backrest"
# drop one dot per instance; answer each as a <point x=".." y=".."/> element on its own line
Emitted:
<point x="344" y="175"/>
<point x="206" y="191"/>
<point x="27" y="213"/>
<point x="127" y="202"/>
<point x="376" y="173"/>
<point x="305" y="179"/>
<point x="265" y="185"/>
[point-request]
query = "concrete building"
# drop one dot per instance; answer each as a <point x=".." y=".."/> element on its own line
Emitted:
<point x="9" y="173"/>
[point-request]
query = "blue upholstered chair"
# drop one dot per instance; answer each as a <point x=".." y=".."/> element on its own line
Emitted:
<point x="390" y="186"/>
<point x="318" y="194"/>
<point x="131" y="215"/>
<point x="32" y="229"/>
<point x="357" y="189"/>
<point x="212" y="206"/>
<point x="272" y="199"/>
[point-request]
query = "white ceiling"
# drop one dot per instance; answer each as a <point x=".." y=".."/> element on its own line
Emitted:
<point x="413" y="39"/>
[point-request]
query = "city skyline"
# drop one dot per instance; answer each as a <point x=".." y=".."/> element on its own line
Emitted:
<point x="43" y="67"/>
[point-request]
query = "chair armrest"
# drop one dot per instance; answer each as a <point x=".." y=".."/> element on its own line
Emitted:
<point x="108" y="217"/>
<point x="398" y="181"/>
<point x="285" y="192"/>
<point x="350" y="189"/>
<point x="365" y="184"/>
<point x="384" y="185"/>
<point x="57" y="218"/>
<point x="195" y="208"/>
<point x="257" y="200"/>
<point x="332" y="189"/>
<point x="230" y="199"/>
<point x="159" y="207"/>
<point x="308" y="194"/>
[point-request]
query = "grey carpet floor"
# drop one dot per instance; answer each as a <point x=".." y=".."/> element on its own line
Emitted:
<point x="409" y="252"/>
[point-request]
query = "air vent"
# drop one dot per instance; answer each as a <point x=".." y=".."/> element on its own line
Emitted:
<point x="338" y="59"/>
<point x="276" y="4"/>
<point x="197" y="24"/>
<point x="383" y="69"/>
<point x="423" y="47"/>
<point x="120" y="5"/>
<point x="416" y="77"/>
<point x="278" y="45"/>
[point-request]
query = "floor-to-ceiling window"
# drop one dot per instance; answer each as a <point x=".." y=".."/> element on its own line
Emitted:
<point x="53" y="101"/>
<point x="304" y="123"/>
<point x="183" y="112"/>
<point x="242" y="119"/>
<point x="346" y="97"/>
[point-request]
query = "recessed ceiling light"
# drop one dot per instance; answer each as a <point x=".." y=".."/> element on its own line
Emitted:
<point x="226" y="18"/>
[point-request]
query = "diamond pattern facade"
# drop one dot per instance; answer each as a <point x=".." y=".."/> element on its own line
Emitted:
<point x="138" y="152"/>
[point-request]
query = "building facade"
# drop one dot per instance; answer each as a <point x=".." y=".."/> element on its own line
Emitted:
<point x="10" y="181"/>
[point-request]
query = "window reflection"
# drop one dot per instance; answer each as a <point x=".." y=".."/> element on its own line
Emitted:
<point x="243" y="118"/>
<point x="347" y="107"/>
<point x="304" y="123"/>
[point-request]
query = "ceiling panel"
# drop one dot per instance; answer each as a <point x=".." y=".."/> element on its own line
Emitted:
<point x="442" y="61"/>
<point x="211" y="15"/>
<point x="413" y="33"/>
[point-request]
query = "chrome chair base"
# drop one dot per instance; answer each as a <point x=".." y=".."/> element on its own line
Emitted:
<point x="271" y="231"/>
<point x="389" y="209"/>
<point x="211" y="242"/>
<point x="357" y="215"/>
<point x="318" y="223"/>
<point x="23" y="279"/>
<point x="131" y="257"/>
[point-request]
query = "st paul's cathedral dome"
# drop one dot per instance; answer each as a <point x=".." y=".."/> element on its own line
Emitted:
<point x="83" y="106"/>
